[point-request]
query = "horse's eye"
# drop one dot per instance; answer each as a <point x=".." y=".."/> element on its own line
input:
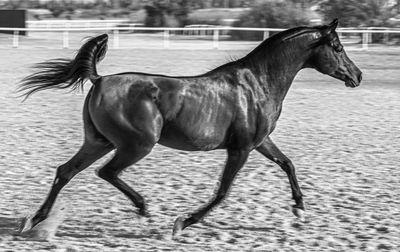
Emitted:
<point x="338" y="48"/>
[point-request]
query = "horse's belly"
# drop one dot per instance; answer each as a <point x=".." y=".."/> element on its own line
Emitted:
<point x="197" y="118"/>
<point x="193" y="138"/>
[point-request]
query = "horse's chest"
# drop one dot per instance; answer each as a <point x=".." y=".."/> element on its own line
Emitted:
<point x="255" y="119"/>
<point x="266" y="122"/>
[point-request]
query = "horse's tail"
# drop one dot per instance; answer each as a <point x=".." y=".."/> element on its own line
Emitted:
<point x="66" y="73"/>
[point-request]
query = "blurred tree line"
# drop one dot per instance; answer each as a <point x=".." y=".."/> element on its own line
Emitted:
<point x="355" y="13"/>
<point x="263" y="13"/>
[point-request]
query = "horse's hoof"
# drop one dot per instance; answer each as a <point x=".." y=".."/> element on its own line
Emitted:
<point x="142" y="221"/>
<point x="178" y="226"/>
<point x="299" y="213"/>
<point x="144" y="212"/>
<point x="26" y="225"/>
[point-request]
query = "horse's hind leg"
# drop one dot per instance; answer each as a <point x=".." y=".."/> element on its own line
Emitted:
<point x="88" y="153"/>
<point x="134" y="129"/>
<point x="269" y="150"/>
<point x="94" y="147"/>
<point x="124" y="157"/>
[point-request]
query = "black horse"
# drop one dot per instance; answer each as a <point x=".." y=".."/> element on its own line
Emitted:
<point x="233" y="107"/>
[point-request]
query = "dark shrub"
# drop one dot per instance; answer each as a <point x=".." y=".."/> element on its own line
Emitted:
<point x="270" y="15"/>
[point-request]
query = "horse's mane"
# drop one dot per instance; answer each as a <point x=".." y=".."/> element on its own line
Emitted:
<point x="275" y="40"/>
<point x="270" y="45"/>
<point x="296" y="32"/>
<point x="287" y="36"/>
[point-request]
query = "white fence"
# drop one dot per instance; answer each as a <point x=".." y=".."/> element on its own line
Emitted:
<point x="84" y="23"/>
<point x="365" y="34"/>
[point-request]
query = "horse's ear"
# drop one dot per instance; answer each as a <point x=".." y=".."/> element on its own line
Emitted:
<point x="332" y="26"/>
<point x="328" y="29"/>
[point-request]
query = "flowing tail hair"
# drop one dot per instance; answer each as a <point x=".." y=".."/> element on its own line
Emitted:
<point x="66" y="73"/>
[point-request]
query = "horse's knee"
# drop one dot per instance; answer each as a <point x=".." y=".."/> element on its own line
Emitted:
<point x="287" y="166"/>
<point x="106" y="174"/>
<point x="145" y="148"/>
<point x="64" y="173"/>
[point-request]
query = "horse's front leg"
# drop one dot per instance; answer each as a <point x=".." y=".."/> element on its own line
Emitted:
<point x="235" y="161"/>
<point x="269" y="150"/>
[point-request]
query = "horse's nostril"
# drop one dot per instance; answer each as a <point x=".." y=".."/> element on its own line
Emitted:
<point x="360" y="77"/>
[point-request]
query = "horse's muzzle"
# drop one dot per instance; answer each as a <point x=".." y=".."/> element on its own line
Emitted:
<point x="354" y="82"/>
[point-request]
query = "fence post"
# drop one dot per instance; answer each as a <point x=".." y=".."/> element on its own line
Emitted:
<point x="115" y="39"/>
<point x="386" y="38"/>
<point x="166" y="38"/>
<point x="66" y="37"/>
<point x="216" y="39"/>
<point x="16" y="39"/>
<point x="266" y="35"/>
<point x="365" y="36"/>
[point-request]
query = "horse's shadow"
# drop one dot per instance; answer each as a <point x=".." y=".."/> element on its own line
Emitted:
<point x="295" y="225"/>
<point x="9" y="226"/>
<point x="237" y="227"/>
<point x="10" y="230"/>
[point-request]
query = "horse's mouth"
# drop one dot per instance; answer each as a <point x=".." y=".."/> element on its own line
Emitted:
<point x="351" y="83"/>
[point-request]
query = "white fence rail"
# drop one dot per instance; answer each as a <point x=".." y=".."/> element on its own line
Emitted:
<point x="84" y="23"/>
<point x="365" y="33"/>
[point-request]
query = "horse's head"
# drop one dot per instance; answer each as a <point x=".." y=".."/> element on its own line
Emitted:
<point x="329" y="57"/>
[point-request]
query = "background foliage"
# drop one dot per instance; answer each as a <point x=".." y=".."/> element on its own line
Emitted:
<point x="354" y="13"/>
<point x="259" y="13"/>
<point x="272" y="15"/>
<point x="168" y="13"/>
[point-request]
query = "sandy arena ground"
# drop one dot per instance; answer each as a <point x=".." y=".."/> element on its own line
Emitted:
<point x="344" y="142"/>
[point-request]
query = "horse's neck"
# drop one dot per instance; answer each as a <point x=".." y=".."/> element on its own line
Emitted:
<point x="278" y="68"/>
